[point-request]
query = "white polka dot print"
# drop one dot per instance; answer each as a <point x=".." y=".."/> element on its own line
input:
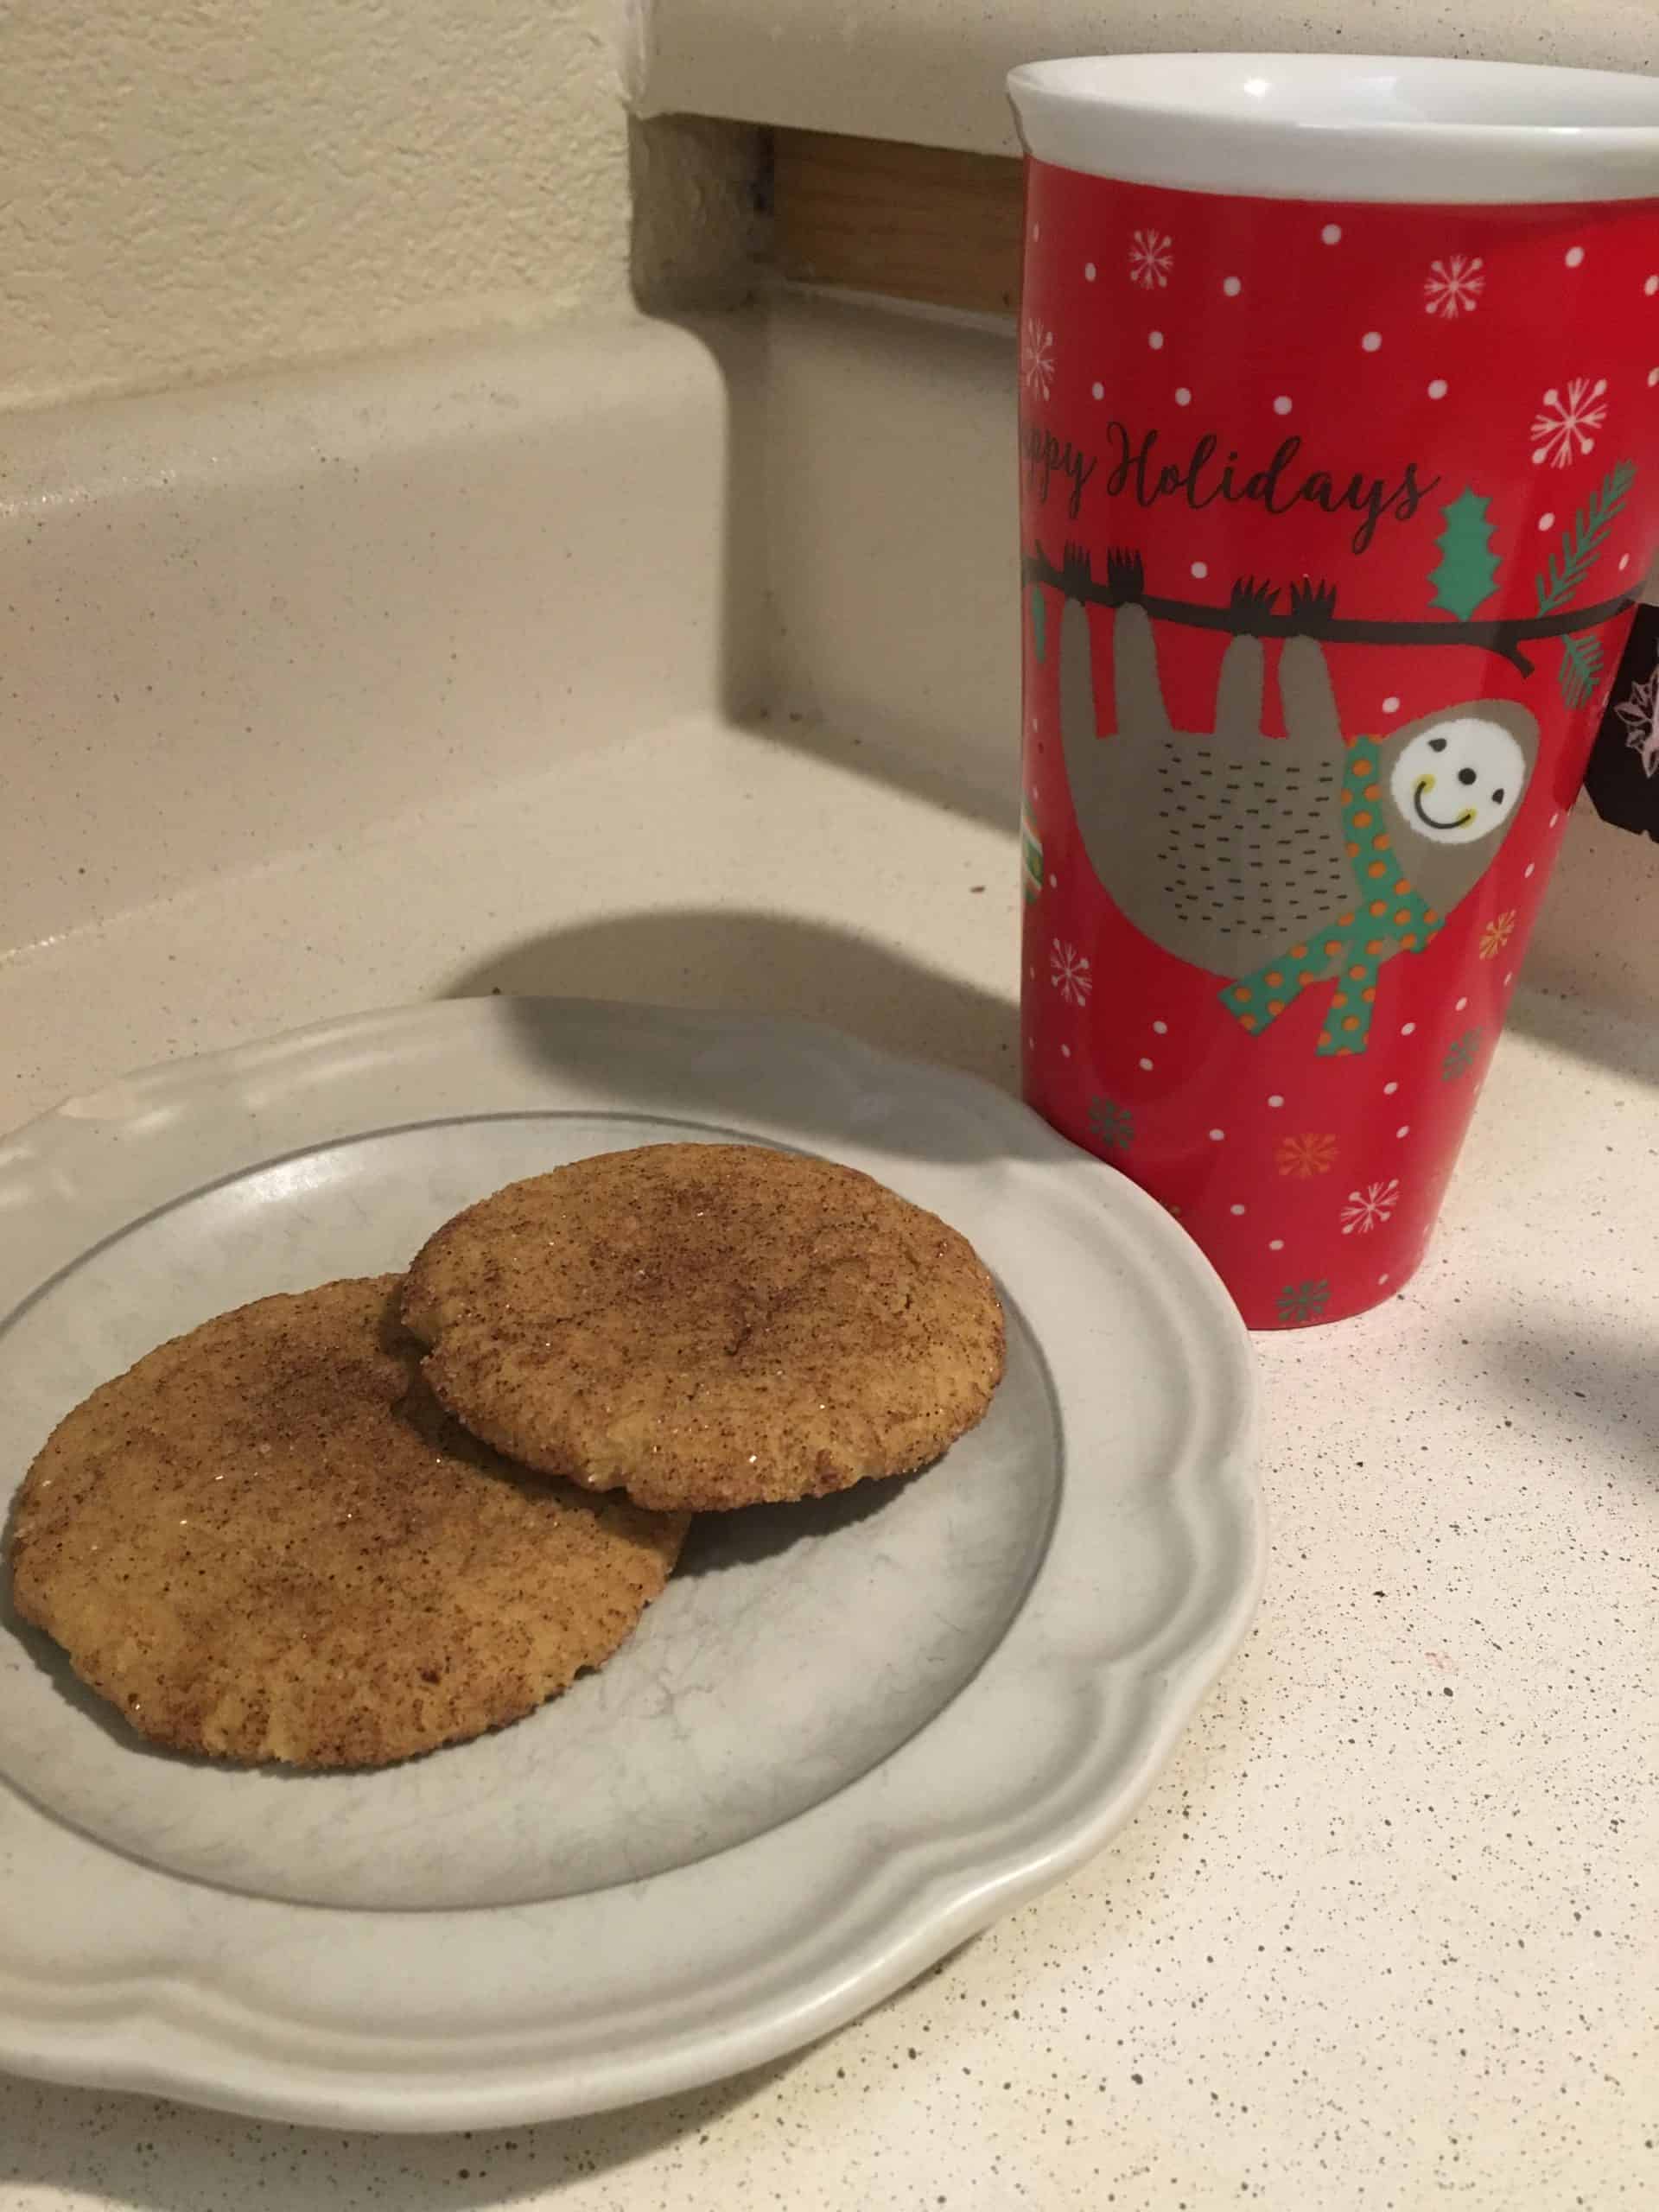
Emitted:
<point x="1282" y="405"/>
<point x="1089" y="272"/>
<point x="1200" y="568"/>
<point x="1372" y="341"/>
<point x="1098" y="390"/>
<point x="1232" y="286"/>
<point x="1574" y="257"/>
<point x="1391" y="704"/>
<point x="1331" y="234"/>
<point x="1155" y="340"/>
<point x="1437" y="388"/>
<point x="1183" y="396"/>
<point x="1216" y="1135"/>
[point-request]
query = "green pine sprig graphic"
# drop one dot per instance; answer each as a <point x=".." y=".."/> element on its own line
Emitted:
<point x="1467" y="575"/>
<point x="1580" y="668"/>
<point x="1580" y="546"/>
<point x="1031" y="854"/>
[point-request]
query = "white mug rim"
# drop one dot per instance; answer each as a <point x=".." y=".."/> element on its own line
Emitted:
<point x="1346" y="127"/>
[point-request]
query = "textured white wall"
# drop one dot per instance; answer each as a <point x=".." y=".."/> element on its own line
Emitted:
<point x="197" y="186"/>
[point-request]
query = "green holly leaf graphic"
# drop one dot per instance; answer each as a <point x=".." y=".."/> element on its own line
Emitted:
<point x="1038" y="622"/>
<point x="1467" y="574"/>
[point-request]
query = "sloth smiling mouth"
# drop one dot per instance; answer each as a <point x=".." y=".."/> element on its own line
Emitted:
<point x="1430" y="820"/>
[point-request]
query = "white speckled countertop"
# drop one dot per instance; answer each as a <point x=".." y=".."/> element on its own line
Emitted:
<point x="1386" y="1931"/>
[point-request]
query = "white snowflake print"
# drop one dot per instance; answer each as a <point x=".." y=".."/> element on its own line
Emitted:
<point x="1563" y="422"/>
<point x="1369" y="1209"/>
<point x="1037" y="358"/>
<point x="1454" y="286"/>
<point x="1640" y="715"/>
<point x="1069" y="973"/>
<point x="1151" y="256"/>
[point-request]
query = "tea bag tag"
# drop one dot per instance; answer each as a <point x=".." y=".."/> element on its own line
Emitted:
<point x="1623" y="778"/>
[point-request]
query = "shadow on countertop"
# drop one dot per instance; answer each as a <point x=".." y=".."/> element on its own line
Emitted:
<point x="1584" y="1030"/>
<point x="142" y="2154"/>
<point x="753" y="962"/>
<point x="1572" y="1377"/>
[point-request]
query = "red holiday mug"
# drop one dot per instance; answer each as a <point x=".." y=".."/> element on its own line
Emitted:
<point x="1339" y="437"/>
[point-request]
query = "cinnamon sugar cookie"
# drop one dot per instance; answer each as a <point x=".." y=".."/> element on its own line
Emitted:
<point x="708" y="1325"/>
<point x="267" y="1541"/>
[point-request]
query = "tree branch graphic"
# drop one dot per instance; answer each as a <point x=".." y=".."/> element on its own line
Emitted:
<point x="1252" y="610"/>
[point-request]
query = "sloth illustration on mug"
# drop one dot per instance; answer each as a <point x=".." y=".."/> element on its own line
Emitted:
<point x="1281" y="863"/>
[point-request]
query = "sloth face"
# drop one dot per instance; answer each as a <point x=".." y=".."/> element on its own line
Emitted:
<point x="1459" y="779"/>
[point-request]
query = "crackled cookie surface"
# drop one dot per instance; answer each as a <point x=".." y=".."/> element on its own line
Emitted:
<point x="708" y="1325"/>
<point x="268" y="1542"/>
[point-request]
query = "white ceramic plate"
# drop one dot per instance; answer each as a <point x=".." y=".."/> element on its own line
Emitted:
<point x="847" y="1735"/>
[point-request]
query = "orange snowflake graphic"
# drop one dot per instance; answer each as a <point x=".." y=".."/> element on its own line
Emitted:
<point x="1306" y="1157"/>
<point x="1496" y="934"/>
